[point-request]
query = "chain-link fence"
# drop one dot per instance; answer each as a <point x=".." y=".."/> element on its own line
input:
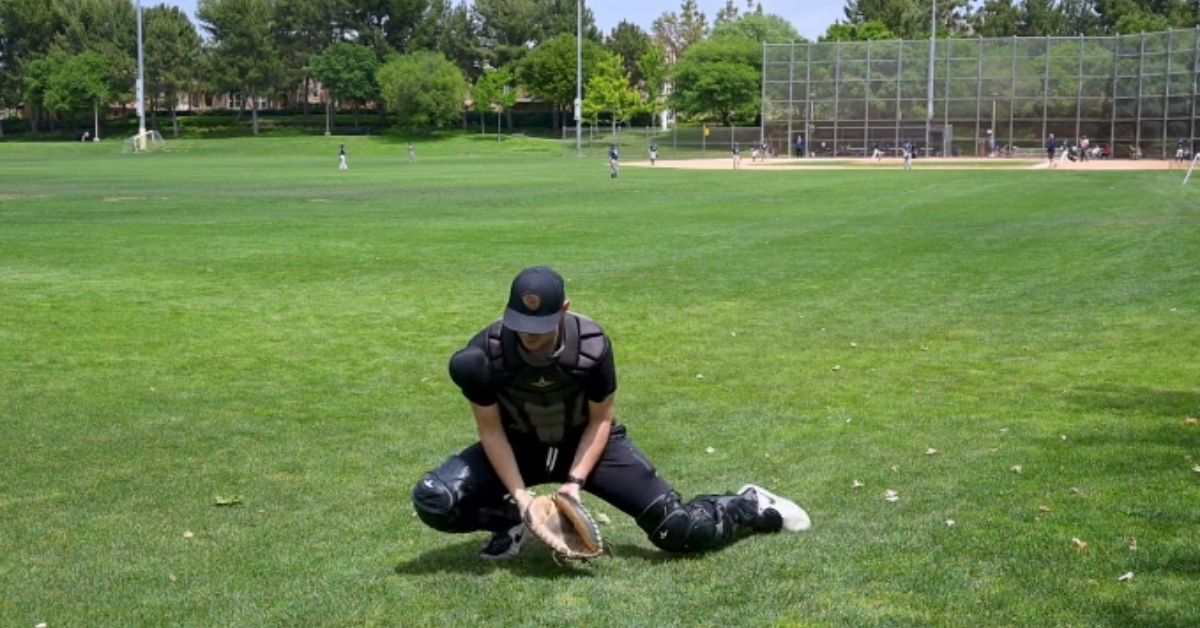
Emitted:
<point x="674" y="143"/>
<point x="1130" y="95"/>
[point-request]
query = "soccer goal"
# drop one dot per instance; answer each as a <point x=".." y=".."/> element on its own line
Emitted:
<point x="143" y="142"/>
<point x="1195" y="159"/>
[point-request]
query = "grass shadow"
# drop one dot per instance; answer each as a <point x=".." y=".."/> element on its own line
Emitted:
<point x="1138" y="400"/>
<point x="463" y="558"/>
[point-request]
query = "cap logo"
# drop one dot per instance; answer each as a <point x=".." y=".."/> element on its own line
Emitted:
<point x="532" y="301"/>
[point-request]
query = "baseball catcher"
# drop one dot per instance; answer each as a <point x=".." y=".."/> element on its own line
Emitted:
<point x="541" y="383"/>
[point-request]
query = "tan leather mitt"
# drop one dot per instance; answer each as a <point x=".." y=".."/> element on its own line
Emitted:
<point x="565" y="526"/>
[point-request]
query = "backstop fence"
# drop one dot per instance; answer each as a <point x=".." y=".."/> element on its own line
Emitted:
<point x="1131" y="95"/>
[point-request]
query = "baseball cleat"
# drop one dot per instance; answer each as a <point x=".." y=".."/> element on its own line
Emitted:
<point x="794" y="517"/>
<point x="504" y="545"/>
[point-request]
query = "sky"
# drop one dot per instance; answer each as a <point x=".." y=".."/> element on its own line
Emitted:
<point x="810" y="17"/>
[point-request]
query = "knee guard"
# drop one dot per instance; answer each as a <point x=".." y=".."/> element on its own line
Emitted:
<point x="705" y="523"/>
<point x="444" y="500"/>
<point x="436" y="503"/>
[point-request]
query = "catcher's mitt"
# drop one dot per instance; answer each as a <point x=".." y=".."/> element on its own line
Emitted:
<point x="563" y="524"/>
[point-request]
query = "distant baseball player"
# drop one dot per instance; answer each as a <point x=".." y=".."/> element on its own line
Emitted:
<point x="541" y="384"/>
<point x="342" y="158"/>
<point x="737" y="156"/>
<point x="876" y="152"/>
<point x="614" y="161"/>
<point x="909" y="149"/>
<point x="1051" y="149"/>
<point x="653" y="153"/>
<point x="412" y="154"/>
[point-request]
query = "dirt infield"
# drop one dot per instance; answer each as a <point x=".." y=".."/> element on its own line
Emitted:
<point x="936" y="163"/>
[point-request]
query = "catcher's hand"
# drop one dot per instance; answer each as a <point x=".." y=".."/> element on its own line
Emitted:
<point x="563" y="524"/>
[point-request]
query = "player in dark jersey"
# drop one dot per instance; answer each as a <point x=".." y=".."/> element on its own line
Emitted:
<point x="541" y="384"/>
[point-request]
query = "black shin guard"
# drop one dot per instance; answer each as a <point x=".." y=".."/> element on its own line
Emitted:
<point x="706" y="523"/>
<point x="443" y="500"/>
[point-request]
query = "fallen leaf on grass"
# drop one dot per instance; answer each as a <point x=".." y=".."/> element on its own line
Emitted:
<point x="1125" y="577"/>
<point x="856" y="484"/>
<point x="1045" y="509"/>
<point x="1016" y="468"/>
<point x="931" y="451"/>
<point x="1079" y="545"/>
<point x="233" y="500"/>
<point x="603" y="518"/>
<point x="891" y="496"/>
<point x="41" y="625"/>
<point x="895" y="468"/>
<point x="854" y="345"/>
<point x="710" y="450"/>
<point x="173" y="578"/>
<point x="699" y="375"/>
<point x="187" y="534"/>
<point x="836" y="368"/>
<point x="1075" y="490"/>
<point x="950" y="523"/>
<point x="1191" y="420"/>
<point x="1196" y="468"/>
<point x="1132" y="544"/>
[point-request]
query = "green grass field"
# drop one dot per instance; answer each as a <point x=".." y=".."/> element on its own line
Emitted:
<point x="235" y="320"/>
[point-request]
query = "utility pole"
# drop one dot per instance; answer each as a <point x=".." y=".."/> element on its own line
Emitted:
<point x="929" y="100"/>
<point x="579" y="78"/>
<point x="140" y="142"/>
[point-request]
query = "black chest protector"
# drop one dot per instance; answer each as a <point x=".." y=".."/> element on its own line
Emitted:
<point x="546" y="402"/>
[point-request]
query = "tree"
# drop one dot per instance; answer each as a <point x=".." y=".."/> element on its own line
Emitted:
<point x="36" y="80"/>
<point x="997" y="18"/>
<point x="1039" y="18"/>
<point x="653" y="68"/>
<point x="455" y="31"/>
<point x="510" y="27"/>
<point x="172" y="50"/>
<point x="559" y="17"/>
<point x="727" y="13"/>
<point x="867" y="31"/>
<point x="608" y="91"/>
<point x="764" y="29"/>
<point x="676" y="32"/>
<point x="719" y="78"/>
<point x="75" y="82"/>
<point x="244" y="55"/>
<point x="303" y="29"/>
<point x="348" y="73"/>
<point x="494" y="89"/>
<point x="548" y="71"/>
<point x="630" y="42"/>
<point x="423" y="88"/>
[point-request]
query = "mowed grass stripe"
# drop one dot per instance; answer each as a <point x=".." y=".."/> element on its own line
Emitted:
<point x="236" y="318"/>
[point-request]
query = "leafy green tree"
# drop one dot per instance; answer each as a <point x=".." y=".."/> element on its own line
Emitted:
<point x="653" y="67"/>
<point x="676" y="32"/>
<point x="303" y="29"/>
<point x="608" y="91"/>
<point x="244" y="55"/>
<point x="348" y="73"/>
<point x="494" y="89"/>
<point x="454" y="30"/>
<point x="559" y="17"/>
<point x="630" y="42"/>
<point x="36" y="82"/>
<point x="172" y="50"/>
<point x="867" y="31"/>
<point x="509" y="26"/>
<point x="423" y="88"/>
<point x="719" y="78"/>
<point x="1039" y="18"/>
<point x="997" y="18"/>
<point x="725" y="14"/>
<point x="78" y="82"/>
<point x="548" y="71"/>
<point x="762" y="28"/>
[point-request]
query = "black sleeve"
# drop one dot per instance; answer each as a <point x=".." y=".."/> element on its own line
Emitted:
<point x="469" y="369"/>
<point x="603" y="380"/>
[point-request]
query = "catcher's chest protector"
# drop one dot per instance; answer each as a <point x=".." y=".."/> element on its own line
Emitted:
<point x="545" y="401"/>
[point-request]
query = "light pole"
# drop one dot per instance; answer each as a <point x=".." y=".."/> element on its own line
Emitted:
<point x="929" y="99"/>
<point x="579" y="78"/>
<point x="992" y="132"/>
<point x="140" y="142"/>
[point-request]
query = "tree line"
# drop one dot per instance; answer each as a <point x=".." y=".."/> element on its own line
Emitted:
<point x="423" y="63"/>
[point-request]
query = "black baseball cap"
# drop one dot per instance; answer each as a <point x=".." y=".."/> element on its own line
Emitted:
<point x="536" y="298"/>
